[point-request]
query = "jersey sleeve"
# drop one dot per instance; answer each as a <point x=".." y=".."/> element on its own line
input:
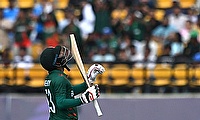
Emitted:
<point x="80" y="88"/>
<point x="62" y="95"/>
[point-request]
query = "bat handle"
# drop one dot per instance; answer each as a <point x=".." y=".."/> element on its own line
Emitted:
<point x="98" y="109"/>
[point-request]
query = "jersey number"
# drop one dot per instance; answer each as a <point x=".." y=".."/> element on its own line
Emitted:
<point x="50" y="102"/>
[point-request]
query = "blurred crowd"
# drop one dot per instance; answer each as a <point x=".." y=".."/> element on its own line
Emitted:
<point x="105" y="30"/>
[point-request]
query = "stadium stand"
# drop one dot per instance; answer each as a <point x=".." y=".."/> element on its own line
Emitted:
<point x="116" y="78"/>
<point x="187" y="3"/>
<point x="120" y="75"/>
<point x="194" y="75"/>
<point x="160" y="75"/>
<point x="25" y="3"/>
<point x="59" y="15"/>
<point x="179" y="76"/>
<point x="163" y="4"/>
<point x="159" y="14"/>
<point x="137" y="77"/>
<point x="37" y="75"/>
<point x="4" y="3"/>
<point x="62" y="4"/>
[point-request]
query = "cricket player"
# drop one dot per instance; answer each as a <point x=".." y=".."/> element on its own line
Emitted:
<point x="58" y="89"/>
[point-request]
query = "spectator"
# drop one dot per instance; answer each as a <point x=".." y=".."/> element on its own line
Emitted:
<point x="69" y="17"/>
<point x="87" y="22"/>
<point x="49" y="25"/>
<point x="133" y="57"/>
<point x="24" y="61"/>
<point x="40" y="6"/>
<point x="6" y="61"/>
<point x="137" y="32"/>
<point x="163" y="31"/>
<point x="148" y="60"/>
<point x="72" y="27"/>
<point x="11" y="12"/>
<point x="108" y="39"/>
<point x="166" y="57"/>
<point x="92" y="46"/>
<point x="124" y="41"/>
<point x="10" y="15"/>
<point x="118" y="15"/>
<point x="197" y="28"/>
<point x="102" y="13"/>
<point x="21" y="29"/>
<point x="122" y="56"/>
<point x="186" y="31"/>
<point x="151" y="22"/>
<point x="192" y="48"/>
<point x="192" y="15"/>
<point x="175" y="3"/>
<point x="35" y="29"/>
<point x="177" y="18"/>
<point x="103" y="55"/>
<point x="177" y="45"/>
<point x="4" y="41"/>
<point x="65" y="21"/>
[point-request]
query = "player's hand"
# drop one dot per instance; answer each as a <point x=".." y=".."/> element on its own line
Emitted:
<point x="90" y="94"/>
<point x="93" y="71"/>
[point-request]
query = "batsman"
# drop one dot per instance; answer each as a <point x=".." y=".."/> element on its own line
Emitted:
<point x="58" y="89"/>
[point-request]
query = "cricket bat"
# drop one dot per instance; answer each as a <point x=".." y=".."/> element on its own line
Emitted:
<point x="77" y="57"/>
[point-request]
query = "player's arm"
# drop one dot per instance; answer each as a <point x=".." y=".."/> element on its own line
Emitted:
<point x="64" y="102"/>
<point x="80" y="88"/>
<point x="89" y="95"/>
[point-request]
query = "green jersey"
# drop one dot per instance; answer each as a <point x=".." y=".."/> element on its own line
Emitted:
<point x="60" y="95"/>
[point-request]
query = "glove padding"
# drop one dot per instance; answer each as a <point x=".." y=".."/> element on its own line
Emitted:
<point x="93" y="71"/>
<point x="90" y="94"/>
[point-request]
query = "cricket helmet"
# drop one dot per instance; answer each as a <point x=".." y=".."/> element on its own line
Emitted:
<point x="52" y="58"/>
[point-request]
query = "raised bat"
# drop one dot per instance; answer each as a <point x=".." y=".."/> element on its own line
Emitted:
<point x="77" y="57"/>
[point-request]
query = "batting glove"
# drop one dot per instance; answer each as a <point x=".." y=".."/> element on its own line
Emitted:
<point x="93" y="71"/>
<point x="90" y="94"/>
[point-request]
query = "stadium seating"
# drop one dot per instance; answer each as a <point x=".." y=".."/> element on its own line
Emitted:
<point x="116" y="77"/>
<point x="163" y="4"/>
<point x="75" y="75"/>
<point x="137" y="77"/>
<point x="187" y="3"/>
<point x="36" y="50"/>
<point x="119" y="75"/>
<point x="37" y="75"/>
<point x="25" y="3"/>
<point x="5" y="75"/>
<point x="18" y="76"/>
<point x="194" y="75"/>
<point x="4" y="3"/>
<point x="59" y="15"/>
<point x="180" y="74"/>
<point x="161" y="74"/>
<point x="159" y="14"/>
<point x="62" y="4"/>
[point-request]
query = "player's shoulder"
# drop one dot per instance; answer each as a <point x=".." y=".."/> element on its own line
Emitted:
<point x="58" y="75"/>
